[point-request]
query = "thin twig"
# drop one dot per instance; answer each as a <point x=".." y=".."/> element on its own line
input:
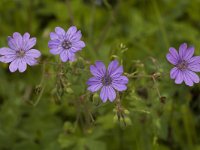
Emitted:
<point x="39" y="97"/>
<point x="156" y="86"/>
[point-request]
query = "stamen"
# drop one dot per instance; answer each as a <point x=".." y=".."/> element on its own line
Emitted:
<point x="20" y="53"/>
<point x="106" y="80"/>
<point x="182" y="65"/>
<point x="66" y="44"/>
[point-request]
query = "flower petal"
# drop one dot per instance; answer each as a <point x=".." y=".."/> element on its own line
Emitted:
<point x="104" y="94"/>
<point x="52" y="44"/>
<point x="174" y="53"/>
<point x="173" y="56"/>
<point x="174" y="73"/>
<point x="194" y="60"/>
<point x="63" y="56"/>
<point x="119" y="83"/>
<point x="101" y="67"/>
<point x="53" y="36"/>
<point x="118" y="72"/>
<point x="7" y="58"/>
<point x="25" y="40"/>
<point x="195" y="67"/>
<point x="171" y="59"/>
<point x="56" y="51"/>
<point x="188" y="53"/>
<point x="22" y="65"/>
<point x="30" y="43"/>
<point x="18" y="39"/>
<point x="12" y="44"/>
<point x="71" y="31"/>
<point x="98" y="70"/>
<point x="60" y="32"/>
<point x="188" y="81"/>
<point x="112" y="66"/>
<point x="76" y="37"/>
<point x="94" y="71"/>
<point x="95" y="87"/>
<point x="119" y="87"/>
<point x="193" y="76"/>
<point x="93" y="80"/>
<point x="182" y="50"/>
<point x="78" y="46"/>
<point x="7" y="51"/>
<point x="179" y="77"/>
<point x="14" y="65"/>
<point x="8" y="55"/>
<point x="33" y="53"/>
<point x="30" y="60"/>
<point x="71" y="55"/>
<point x="26" y="36"/>
<point x="121" y="80"/>
<point x="111" y="93"/>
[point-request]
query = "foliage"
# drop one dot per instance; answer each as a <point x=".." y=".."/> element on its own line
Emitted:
<point x="48" y="107"/>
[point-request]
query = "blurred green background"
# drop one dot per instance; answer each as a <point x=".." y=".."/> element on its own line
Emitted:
<point x="48" y="106"/>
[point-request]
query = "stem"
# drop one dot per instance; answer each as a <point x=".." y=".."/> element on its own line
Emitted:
<point x="140" y="76"/>
<point x="39" y="97"/>
<point x="120" y="110"/>
<point x="156" y="86"/>
<point x="41" y="82"/>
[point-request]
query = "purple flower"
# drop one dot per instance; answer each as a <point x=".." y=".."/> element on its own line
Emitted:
<point x="185" y="65"/>
<point x="108" y="80"/>
<point x="19" y="52"/>
<point x="66" y="44"/>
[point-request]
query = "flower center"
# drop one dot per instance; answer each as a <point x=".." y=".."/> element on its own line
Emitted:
<point x="182" y="65"/>
<point x="106" y="80"/>
<point x="66" y="44"/>
<point x="20" y="53"/>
